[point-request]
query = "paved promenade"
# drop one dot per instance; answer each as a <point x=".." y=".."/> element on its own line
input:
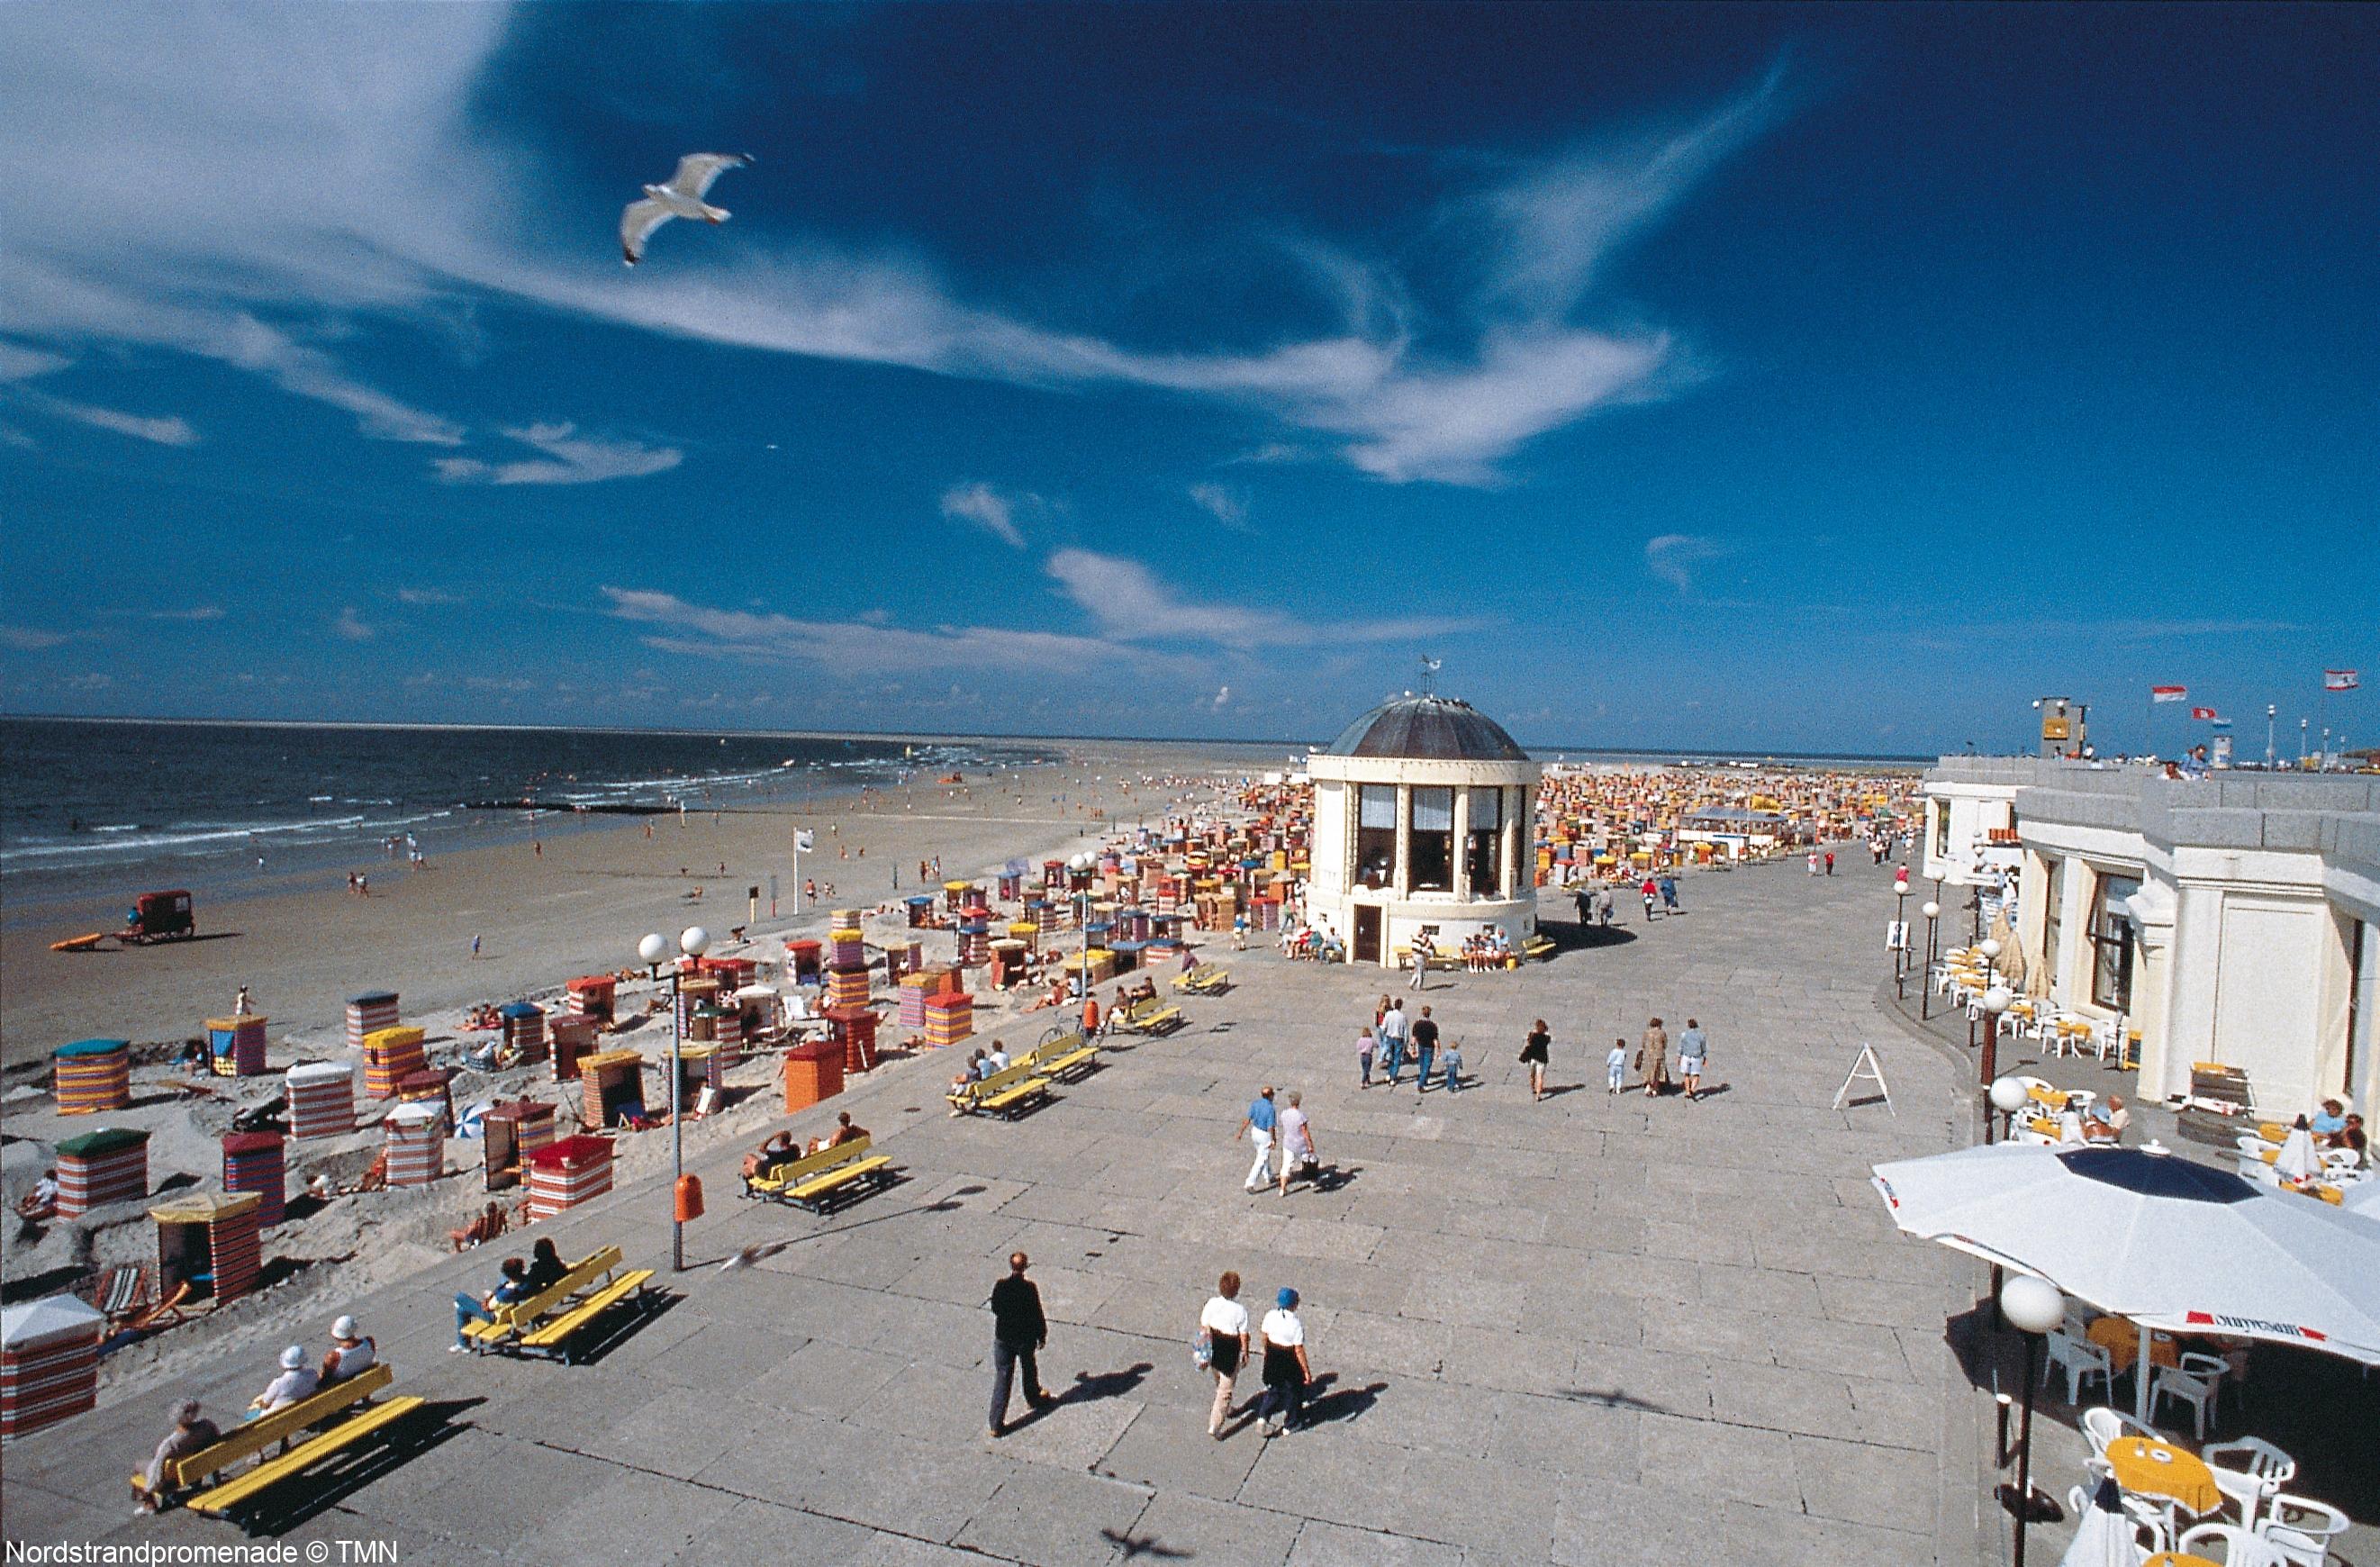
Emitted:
<point x="1593" y="1331"/>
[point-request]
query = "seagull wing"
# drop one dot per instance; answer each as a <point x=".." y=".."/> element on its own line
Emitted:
<point x="637" y="224"/>
<point x="696" y="170"/>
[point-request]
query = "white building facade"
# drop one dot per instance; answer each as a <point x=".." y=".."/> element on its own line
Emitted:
<point x="2234" y="921"/>
<point x="1422" y="821"/>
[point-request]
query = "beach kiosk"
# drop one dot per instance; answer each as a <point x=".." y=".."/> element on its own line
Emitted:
<point x="804" y="962"/>
<point x="101" y="1167"/>
<point x="509" y="1132"/>
<point x="416" y="1134"/>
<point x="950" y="1017"/>
<point x="252" y="1162"/>
<point x="566" y="1172"/>
<point x="49" y="1362"/>
<point x="93" y="1076"/>
<point x="368" y="1014"/>
<point x="321" y="1098"/>
<point x="813" y="1073"/>
<point x="524" y="1032"/>
<point x="433" y="1085"/>
<point x="209" y="1241"/>
<point x="389" y="1054"/>
<point x="854" y="1028"/>
<point x="235" y="1045"/>
<point x="595" y="996"/>
<point x="609" y="1082"/>
<point x="571" y="1035"/>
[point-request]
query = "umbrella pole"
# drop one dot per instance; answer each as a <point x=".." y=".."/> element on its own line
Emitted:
<point x="2141" y="1378"/>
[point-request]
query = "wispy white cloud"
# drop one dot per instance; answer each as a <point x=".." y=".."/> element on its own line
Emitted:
<point x="351" y="626"/>
<point x="31" y="639"/>
<point x="437" y="597"/>
<point x="19" y="365"/>
<point x="1223" y="697"/>
<point x="252" y="186"/>
<point x="1225" y="505"/>
<point x="1673" y="557"/>
<point x="988" y="509"/>
<point x="196" y="613"/>
<point x="1131" y="604"/>
<point x="569" y="458"/>
<point x="851" y="646"/>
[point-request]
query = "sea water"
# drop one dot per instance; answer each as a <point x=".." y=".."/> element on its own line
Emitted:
<point x="117" y="808"/>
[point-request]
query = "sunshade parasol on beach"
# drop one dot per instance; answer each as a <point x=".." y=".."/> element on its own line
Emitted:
<point x="2168" y="1243"/>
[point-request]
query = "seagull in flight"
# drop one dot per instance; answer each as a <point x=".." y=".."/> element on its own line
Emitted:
<point x="681" y="198"/>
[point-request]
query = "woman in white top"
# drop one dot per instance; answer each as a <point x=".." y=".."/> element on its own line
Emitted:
<point x="1225" y="1322"/>
<point x="1286" y="1371"/>
<point x="296" y="1381"/>
<point x="351" y="1352"/>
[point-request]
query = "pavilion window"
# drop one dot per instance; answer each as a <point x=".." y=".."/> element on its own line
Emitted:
<point x="2053" y="922"/>
<point x="1481" y="843"/>
<point x="1432" y="850"/>
<point x="2111" y="943"/>
<point x="1376" y="834"/>
<point x="2363" y="997"/>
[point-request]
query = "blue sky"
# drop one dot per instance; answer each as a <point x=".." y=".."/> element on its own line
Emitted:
<point x="1711" y="376"/>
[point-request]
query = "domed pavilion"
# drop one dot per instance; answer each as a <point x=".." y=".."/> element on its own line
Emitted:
<point x="1421" y="822"/>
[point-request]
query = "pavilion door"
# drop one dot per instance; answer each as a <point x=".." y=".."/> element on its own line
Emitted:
<point x="1367" y="933"/>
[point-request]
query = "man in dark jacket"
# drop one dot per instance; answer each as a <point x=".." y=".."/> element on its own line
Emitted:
<point x="1018" y="1331"/>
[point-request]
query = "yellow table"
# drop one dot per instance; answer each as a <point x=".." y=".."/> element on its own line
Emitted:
<point x="2050" y="1096"/>
<point x="2121" y="1339"/>
<point x="2160" y="1469"/>
<point x="2179" y="1559"/>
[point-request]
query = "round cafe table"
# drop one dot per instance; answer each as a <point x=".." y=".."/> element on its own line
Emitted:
<point x="2122" y="1341"/>
<point x="2160" y="1469"/>
<point x="2179" y="1559"/>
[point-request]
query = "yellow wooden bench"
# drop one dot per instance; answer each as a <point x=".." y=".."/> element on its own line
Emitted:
<point x="1539" y="945"/>
<point x="1063" y="1055"/>
<point x="523" y="1326"/>
<point x="810" y="1181"/>
<point x="251" y="1438"/>
<point x="1203" y="979"/>
<point x="1151" y="1016"/>
<point x="1006" y="1093"/>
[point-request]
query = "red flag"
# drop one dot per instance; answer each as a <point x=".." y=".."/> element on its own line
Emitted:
<point x="2167" y="693"/>
<point x="2202" y="712"/>
<point x="2340" y="680"/>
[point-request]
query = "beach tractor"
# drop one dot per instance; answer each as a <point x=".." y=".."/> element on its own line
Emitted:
<point x="159" y="917"/>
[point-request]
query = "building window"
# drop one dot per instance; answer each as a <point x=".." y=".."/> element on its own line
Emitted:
<point x="1941" y="830"/>
<point x="1432" y="848"/>
<point x="1376" y="834"/>
<point x="1481" y="843"/>
<point x="2111" y="941"/>
<point x="2053" y="920"/>
<point x="2363" y="997"/>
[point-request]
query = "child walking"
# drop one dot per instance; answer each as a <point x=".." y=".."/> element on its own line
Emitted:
<point x="1615" y="1065"/>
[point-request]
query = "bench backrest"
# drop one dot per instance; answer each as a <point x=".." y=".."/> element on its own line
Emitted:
<point x="582" y="1273"/>
<point x="819" y="1163"/>
<point x="246" y="1442"/>
<point x="1065" y="1045"/>
<point x="1001" y="1081"/>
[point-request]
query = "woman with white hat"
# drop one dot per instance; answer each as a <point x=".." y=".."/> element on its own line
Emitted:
<point x="351" y="1352"/>
<point x="296" y="1381"/>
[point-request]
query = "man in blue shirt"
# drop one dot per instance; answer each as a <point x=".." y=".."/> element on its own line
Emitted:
<point x="2330" y="1122"/>
<point x="1258" y="1129"/>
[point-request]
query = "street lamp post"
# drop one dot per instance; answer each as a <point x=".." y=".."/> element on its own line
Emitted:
<point x="1901" y="942"/>
<point x="2008" y="1095"/>
<point x="2033" y="1306"/>
<point x="1933" y="912"/>
<point x="2272" y="710"/>
<point x="694" y="940"/>
<point x="1995" y="1001"/>
<point x="1988" y="949"/>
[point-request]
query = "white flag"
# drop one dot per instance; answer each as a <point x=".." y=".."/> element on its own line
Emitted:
<point x="805" y="841"/>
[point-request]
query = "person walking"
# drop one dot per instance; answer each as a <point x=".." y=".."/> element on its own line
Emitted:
<point x="1814" y="862"/>
<point x="1830" y="862"/>
<point x="1534" y="1055"/>
<point x="1424" y="1043"/>
<point x="1393" y="1039"/>
<point x="1364" y="1047"/>
<point x="1651" y="893"/>
<point x="1420" y="980"/>
<point x="1450" y="1066"/>
<point x="1258" y="1129"/>
<point x="1223" y="1325"/>
<point x="1019" y="1332"/>
<point x="1286" y="1369"/>
<point x="1615" y="1065"/>
<point x="1653" y="1058"/>
<point x="1296" y="1139"/>
<point x="1668" y="896"/>
<point x="1604" y="904"/>
<point x="1693" y="1048"/>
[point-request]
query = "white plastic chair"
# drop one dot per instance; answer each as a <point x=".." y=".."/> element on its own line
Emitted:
<point x="2081" y="1360"/>
<point x="2301" y="1530"/>
<point x="2102" y="1425"/>
<point x="2241" y="1549"/>
<point x="2248" y="1473"/>
<point x="2193" y="1383"/>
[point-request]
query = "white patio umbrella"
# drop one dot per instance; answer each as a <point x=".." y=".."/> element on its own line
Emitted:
<point x="2167" y="1243"/>
<point x="2104" y="1538"/>
<point x="2362" y="1199"/>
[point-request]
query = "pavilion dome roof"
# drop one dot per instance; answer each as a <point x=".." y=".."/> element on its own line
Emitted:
<point x="1427" y="728"/>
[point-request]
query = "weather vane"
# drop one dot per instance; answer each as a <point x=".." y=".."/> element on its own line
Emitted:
<point x="1429" y="675"/>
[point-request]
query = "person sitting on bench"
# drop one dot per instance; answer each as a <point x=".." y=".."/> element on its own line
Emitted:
<point x="296" y="1381"/>
<point x="844" y="1132"/>
<point x="779" y="1149"/>
<point x="352" y="1350"/>
<point x="193" y="1432"/>
<point x="468" y="1309"/>
<point x="546" y="1267"/>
